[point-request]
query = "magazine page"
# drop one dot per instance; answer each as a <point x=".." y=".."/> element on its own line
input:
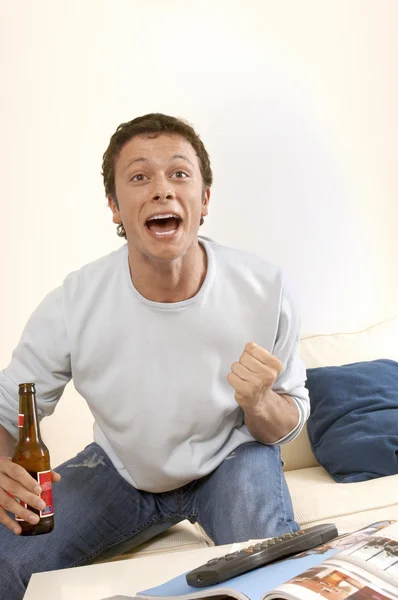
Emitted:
<point x="257" y="583"/>
<point x="365" y="568"/>
<point x="248" y="586"/>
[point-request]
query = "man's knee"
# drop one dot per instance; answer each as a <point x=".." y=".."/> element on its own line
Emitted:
<point x="251" y="467"/>
<point x="247" y="496"/>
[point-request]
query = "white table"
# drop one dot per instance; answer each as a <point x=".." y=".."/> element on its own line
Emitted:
<point x="125" y="577"/>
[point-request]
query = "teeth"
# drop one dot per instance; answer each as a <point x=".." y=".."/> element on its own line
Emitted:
<point x="170" y="215"/>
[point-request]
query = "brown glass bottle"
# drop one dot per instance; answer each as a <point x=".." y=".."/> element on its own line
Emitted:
<point x="32" y="454"/>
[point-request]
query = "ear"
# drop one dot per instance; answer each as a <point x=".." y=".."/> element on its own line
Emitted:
<point x="115" y="210"/>
<point x="205" y="202"/>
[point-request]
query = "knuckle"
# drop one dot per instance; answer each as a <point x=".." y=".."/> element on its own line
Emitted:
<point x="14" y="470"/>
<point x="7" y="502"/>
<point x="12" y="488"/>
<point x="5" y="464"/>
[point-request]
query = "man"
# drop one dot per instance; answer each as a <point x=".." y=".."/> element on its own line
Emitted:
<point x="186" y="353"/>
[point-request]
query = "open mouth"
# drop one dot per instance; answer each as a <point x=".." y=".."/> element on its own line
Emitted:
<point x="163" y="225"/>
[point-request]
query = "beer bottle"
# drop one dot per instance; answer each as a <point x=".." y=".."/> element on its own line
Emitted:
<point x="32" y="454"/>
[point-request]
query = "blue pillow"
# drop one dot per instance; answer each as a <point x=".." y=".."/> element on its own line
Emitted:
<point x="353" y="426"/>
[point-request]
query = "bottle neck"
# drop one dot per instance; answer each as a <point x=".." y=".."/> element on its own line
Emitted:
<point x="28" y="423"/>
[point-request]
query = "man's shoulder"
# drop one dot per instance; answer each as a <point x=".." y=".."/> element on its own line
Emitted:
<point x="242" y="260"/>
<point x="97" y="270"/>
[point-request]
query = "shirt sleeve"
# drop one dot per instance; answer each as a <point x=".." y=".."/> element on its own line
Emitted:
<point x="291" y="381"/>
<point x="41" y="357"/>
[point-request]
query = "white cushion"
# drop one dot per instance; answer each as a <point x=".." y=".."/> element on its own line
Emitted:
<point x="317" y="498"/>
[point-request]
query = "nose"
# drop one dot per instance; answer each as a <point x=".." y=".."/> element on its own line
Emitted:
<point x="162" y="189"/>
<point x="164" y="195"/>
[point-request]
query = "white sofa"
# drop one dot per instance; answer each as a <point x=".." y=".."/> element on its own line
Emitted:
<point x="317" y="498"/>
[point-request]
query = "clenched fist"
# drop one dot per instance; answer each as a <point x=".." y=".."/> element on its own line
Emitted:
<point x="254" y="375"/>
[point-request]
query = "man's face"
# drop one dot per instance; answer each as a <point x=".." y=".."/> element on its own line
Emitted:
<point x="160" y="194"/>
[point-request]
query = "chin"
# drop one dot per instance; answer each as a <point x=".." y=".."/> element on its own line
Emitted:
<point x="168" y="249"/>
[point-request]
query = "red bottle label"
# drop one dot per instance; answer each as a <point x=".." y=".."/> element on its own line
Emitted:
<point x="44" y="479"/>
<point x="20" y="420"/>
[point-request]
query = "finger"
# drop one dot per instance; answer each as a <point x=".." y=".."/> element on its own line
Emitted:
<point x="242" y="371"/>
<point x="9" y="522"/>
<point x="266" y="373"/>
<point x="263" y="356"/>
<point x="255" y="384"/>
<point x="8" y="502"/>
<point x="252" y="364"/>
<point x="55" y="476"/>
<point x="17" y="473"/>
<point x="241" y="387"/>
<point x="15" y="490"/>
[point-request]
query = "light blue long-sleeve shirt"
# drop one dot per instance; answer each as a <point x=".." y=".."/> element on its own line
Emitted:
<point x="155" y="375"/>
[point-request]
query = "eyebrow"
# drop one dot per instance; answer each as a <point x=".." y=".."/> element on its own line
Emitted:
<point x="145" y="160"/>
<point x="183" y="156"/>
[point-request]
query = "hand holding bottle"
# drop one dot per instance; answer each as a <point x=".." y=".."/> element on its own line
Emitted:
<point x="15" y="481"/>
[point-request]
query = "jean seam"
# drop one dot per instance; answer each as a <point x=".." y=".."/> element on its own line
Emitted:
<point x="130" y="535"/>
<point x="122" y="538"/>
<point x="178" y="501"/>
<point x="282" y="499"/>
<point x="203" y="527"/>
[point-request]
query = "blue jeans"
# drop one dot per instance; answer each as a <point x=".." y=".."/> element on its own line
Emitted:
<point x="99" y="515"/>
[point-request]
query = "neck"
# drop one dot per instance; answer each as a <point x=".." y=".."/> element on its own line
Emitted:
<point x="174" y="281"/>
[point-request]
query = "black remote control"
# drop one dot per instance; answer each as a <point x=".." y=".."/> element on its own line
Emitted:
<point x="263" y="553"/>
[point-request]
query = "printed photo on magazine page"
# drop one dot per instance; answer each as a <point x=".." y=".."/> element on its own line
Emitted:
<point x="366" y="568"/>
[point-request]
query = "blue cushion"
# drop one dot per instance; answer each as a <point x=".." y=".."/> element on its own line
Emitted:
<point x="353" y="427"/>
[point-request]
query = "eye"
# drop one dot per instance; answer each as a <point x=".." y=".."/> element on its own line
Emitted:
<point x="180" y="174"/>
<point x="138" y="177"/>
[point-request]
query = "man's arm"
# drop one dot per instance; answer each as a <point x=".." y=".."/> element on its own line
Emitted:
<point x="270" y="388"/>
<point x="7" y="442"/>
<point x="268" y="416"/>
<point x="273" y="418"/>
<point x="42" y="356"/>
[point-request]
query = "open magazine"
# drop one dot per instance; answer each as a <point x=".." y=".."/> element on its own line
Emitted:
<point x="357" y="566"/>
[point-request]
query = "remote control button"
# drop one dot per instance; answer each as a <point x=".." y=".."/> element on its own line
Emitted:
<point x="259" y="554"/>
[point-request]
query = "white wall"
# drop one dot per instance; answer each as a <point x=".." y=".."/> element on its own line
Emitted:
<point x="295" y="100"/>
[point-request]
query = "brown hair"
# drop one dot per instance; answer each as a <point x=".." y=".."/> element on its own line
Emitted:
<point x="152" y="125"/>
